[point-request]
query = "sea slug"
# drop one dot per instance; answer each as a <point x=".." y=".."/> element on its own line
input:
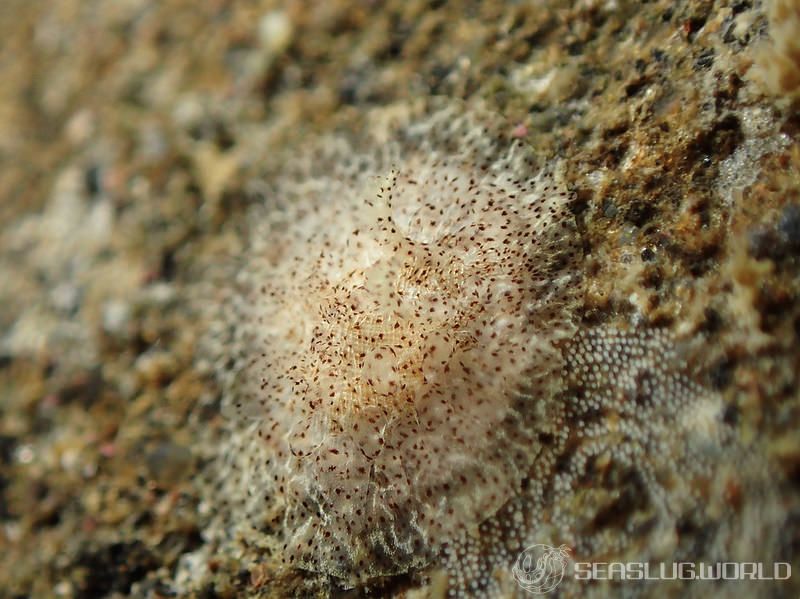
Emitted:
<point x="389" y="347"/>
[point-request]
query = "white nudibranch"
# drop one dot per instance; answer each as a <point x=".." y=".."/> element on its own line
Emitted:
<point x="391" y="350"/>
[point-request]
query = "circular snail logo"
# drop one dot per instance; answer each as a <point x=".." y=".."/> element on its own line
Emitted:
<point x="540" y="568"/>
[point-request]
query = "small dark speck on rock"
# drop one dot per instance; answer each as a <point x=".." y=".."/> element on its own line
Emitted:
<point x="168" y="265"/>
<point x="243" y="577"/>
<point x="635" y="86"/>
<point x="778" y="240"/>
<point x="180" y="541"/>
<point x="91" y="178"/>
<point x="694" y="24"/>
<point x="731" y="414"/>
<point x="208" y="592"/>
<point x="789" y="225"/>
<point x="720" y="140"/>
<point x="761" y="243"/>
<point x="5" y="513"/>
<point x="167" y="461"/>
<point x="7" y="444"/>
<point x="160" y="589"/>
<point x="721" y="373"/>
<point x="790" y="536"/>
<point x="713" y="321"/>
<point x="729" y="35"/>
<point x="86" y="388"/>
<point x="609" y="209"/>
<point x="704" y="60"/>
<point x="659" y="55"/>
<point x="114" y="568"/>
<point x="640" y="213"/>
<point x="349" y="88"/>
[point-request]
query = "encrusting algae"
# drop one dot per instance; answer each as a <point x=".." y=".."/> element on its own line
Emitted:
<point x="404" y="372"/>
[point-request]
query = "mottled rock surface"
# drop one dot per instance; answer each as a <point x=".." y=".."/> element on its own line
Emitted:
<point x="131" y="132"/>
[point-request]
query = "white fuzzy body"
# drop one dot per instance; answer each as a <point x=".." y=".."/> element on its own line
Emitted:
<point x="394" y="324"/>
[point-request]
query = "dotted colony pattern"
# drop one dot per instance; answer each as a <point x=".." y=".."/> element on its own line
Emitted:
<point x="631" y="407"/>
<point x="389" y="349"/>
